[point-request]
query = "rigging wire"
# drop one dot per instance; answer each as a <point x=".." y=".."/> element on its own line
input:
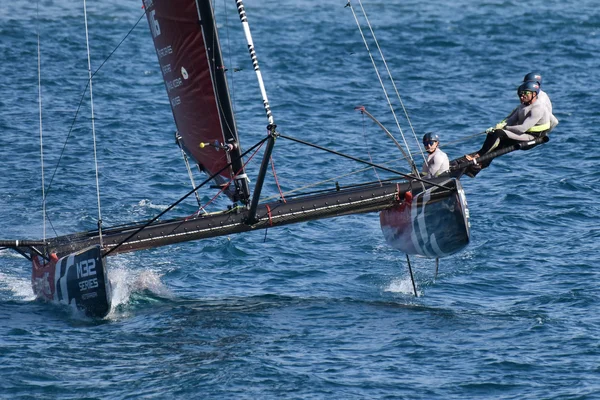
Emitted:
<point x="276" y="182"/>
<point x="465" y="138"/>
<point x="81" y="102"/>
<point x="189" y="170"/>
<point x="289" y="192"/>
<point x="379" y="166"/>
<point x="229" y="55"/>
<point x="391" y="79"/>
<point x="241" y="156"/>
<point x="87" y="42"/>
<point x="412" y="162"/>
<point x="224" y="187"/>
<point x="39" y="59"/>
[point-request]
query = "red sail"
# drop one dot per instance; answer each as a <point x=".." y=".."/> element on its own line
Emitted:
<point x="187" y="45"/>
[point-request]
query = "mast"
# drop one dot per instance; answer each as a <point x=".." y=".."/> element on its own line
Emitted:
<point x="219" y="79"/>
<point x="271" y="128"/>
<point x="187" y="45"/>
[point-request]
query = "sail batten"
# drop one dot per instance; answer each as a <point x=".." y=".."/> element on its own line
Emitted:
<point x="187" y="45"/>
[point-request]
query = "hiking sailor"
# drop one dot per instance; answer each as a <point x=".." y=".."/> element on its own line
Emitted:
<point x="542" y="97"/>
<point x="530" y="120"/>
<point x="437" y="161"/>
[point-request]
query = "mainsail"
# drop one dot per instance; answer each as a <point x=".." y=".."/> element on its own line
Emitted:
<point x="189" y="54"/>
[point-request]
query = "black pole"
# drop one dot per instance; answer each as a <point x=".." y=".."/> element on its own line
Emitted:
<point x="261" y="174"/>
<point x="500" y="152"/>
<point x="412" y="278"/>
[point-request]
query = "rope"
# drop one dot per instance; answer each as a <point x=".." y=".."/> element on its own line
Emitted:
<point x="190" y="174"/>
<point x="79" y="107"/>
<point x="182" y="198"/>
<point x="277" y="180"/>
<point x="224" y="187"/>
<point x="412" y="162"/>
<point x="391" y="78"/>
<point x="407" y="176"/>
<point x="270" y="215"/>
<point x="289" y="192"/>
<point x="465" y="138"/>
<point x="87" y="42"/>
<point x="40" y="113"/>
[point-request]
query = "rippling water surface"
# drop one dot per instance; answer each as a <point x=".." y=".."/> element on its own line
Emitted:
<point x="322" y="309"/>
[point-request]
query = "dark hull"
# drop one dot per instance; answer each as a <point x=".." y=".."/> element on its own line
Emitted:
<point x="78" y="279"/>
<point x="428" y="224"/>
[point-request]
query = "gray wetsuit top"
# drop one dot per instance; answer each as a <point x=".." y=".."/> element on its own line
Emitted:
<point x="542" y="98"/>
<point x="436" y="163"/>
<point x="528" y="120"/>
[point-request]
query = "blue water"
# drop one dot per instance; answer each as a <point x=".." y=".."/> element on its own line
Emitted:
<point x="320" y="310"/>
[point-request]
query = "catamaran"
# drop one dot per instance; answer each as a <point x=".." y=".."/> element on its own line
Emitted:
<point x="427" y="217"/>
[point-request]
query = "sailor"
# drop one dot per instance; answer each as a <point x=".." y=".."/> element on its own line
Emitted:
<point x="529" y="121"/>
<point x="437" y="161"/>
<point x="542" y="98"/>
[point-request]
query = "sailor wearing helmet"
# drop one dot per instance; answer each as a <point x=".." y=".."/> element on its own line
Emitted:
<point x="529" y="121"/>
<point x="437" y="161"/>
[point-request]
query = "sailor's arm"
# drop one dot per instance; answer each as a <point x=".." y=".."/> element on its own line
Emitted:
<point x="535" y="115"/>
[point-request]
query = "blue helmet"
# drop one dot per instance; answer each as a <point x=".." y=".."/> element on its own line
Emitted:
<point x="531" y="86"/>
<point x="430" y="137"/>
<point x="533" y="76"/>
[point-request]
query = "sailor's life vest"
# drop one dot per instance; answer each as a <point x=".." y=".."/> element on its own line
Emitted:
<point x="539" y="130"/>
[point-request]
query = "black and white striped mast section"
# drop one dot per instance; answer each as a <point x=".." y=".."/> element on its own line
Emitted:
<point x="271" y="127"/>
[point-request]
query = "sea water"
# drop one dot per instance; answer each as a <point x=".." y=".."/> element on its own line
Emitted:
<point x="323" y="309"/>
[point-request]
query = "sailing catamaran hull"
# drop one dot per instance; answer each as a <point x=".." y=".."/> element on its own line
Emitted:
<point x="79" y="278"/>
<point x="427" y="224"/>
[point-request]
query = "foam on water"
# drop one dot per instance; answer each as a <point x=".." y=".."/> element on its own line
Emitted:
<point x="19" y="287"/>
<point x="147" y="204"/>
<point x="402" y="285"/>
<point x="127" y="281"/>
